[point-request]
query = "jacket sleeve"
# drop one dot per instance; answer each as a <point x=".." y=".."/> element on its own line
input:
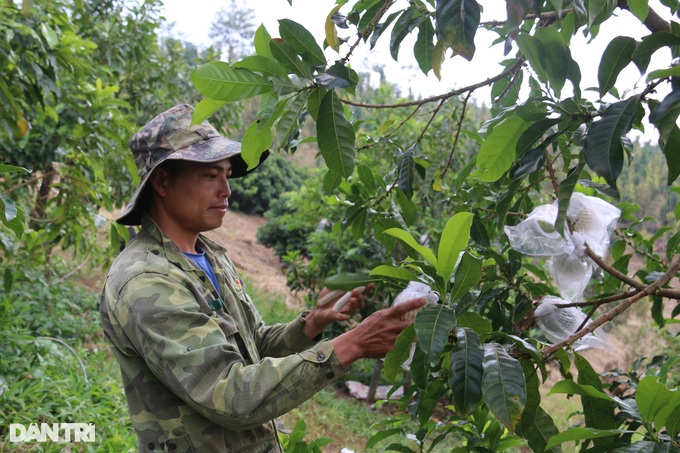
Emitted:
<point x="198" y="355"/>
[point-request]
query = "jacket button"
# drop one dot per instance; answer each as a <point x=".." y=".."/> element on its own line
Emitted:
<point x="330" y="375"/>
<point x="151" y="445"/>
<point x="172" y="446"/>
<point x="155" y="252"/>
<point x="320" y="357"/>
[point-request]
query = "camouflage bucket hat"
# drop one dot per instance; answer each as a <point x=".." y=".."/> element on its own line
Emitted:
<point x="170" y="135"/>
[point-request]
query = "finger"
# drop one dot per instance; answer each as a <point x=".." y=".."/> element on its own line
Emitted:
<point x="355" y="304"/>
<point x="409" y="305"/>
<point x="329" y="297"/>
<point x="344" y="300"/>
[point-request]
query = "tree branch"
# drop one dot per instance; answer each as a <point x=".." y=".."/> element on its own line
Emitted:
<point x="669" y="293"/>
<point x="469" y="88"/>
<point x="652" y="289"/>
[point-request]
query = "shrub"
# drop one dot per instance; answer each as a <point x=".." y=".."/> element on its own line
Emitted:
<point x="254" y="193"/>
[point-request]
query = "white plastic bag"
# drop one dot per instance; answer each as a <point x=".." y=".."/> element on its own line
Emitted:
<point x="536" y="235"/>
<point x="558" y="324"/>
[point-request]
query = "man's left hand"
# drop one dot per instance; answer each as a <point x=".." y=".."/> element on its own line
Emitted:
<point x="321" y="316"/>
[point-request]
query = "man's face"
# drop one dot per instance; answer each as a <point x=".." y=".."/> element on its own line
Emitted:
<point x="196" y="198"/>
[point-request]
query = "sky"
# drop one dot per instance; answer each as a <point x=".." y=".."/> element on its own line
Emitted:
<point x="193" y="18"/>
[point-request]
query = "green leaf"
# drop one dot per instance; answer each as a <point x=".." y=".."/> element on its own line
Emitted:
<point x="433" y="324"/>
<point x="598" y="413"/>
<point x="497" y="152"/>
<point x="503" y="385"/>
<point x="478" y="323"/>
<point x="657" y="311"/>
<point x="653" y="400"/>
<point x="314" y="101"/>
<point x="5" y="168"/>
<point x="454" y="239"/>
<point x="407" y="207"/>
<point x="405" y="175"/>
<point x="399" y="354"/>
<point x="219" y="81"/>
<point x="603" y="147"/>
<point x="468" y="274"/>
<point x="335" y="136"/>
<point x="617" y="55"/>
<point x="671" y="150"/>
<point x="302" y="41"/>
<point x="665" y="114"/>
<point x="205" y="109"/>
<point x="535" y="52"/>
<point x="535" y="425"/>
<point x="254" y="143"/>
<point x="348" y="280"/>
<point x="262" y="41"/>
<point x="534" y="134"/>
<point x="540" y="431"/>
<point x="570" y="387"/>
<point x="382" y="435"/>
<point x="407" y="21"/>
<point x="262" y="65"/>
<point x="579" y="433"/>
<point x="423" y="49"/>
<point x="457" y="22"/>
<point x="8" y="210"/>
<point x="392" y="272"/>
<point x="288" y="127"/>
<point x="650" y="44"/>
<point x="639" y="8"/>
<point x="406" y="238"/>
<point x="599" y="11"/>
<point x="358" y="222"/>
<point x="284" y="53"/>
<point x="466" y="370"/>
<point x="337" y="76"/>
<point x="367" y="178"/>
<point x="564" y="192"/>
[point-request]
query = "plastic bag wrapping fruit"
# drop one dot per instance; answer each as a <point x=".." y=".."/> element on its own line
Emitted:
<point x="592" y="222"/>
<point x="559" y="323"/>
<point x="592" y="219"/>
<point x="536" y="235"/>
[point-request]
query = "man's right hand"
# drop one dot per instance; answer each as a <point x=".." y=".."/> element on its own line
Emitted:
<point x="374" y="337"/>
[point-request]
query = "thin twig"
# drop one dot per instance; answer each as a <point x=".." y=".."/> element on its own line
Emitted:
<point x="73" y="271"/>
<point x="439" y="97"/>
<point x="82" y="365"/>
<point x="455" y="140"/>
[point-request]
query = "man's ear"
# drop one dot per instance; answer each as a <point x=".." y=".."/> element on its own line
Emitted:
<point x="159" y="180"/>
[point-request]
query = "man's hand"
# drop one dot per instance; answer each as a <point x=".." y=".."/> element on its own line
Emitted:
<point x="374" y="337"/>
<point x="321" y="316"/>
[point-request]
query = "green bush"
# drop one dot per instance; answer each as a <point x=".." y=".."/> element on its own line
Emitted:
<point x="55" y="365"/>
<point x="254" y="193"/>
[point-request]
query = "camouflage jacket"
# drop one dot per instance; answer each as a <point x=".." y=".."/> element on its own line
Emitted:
<point x="203" y="373"/>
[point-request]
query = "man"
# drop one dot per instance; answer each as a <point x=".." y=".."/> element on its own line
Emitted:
<point x="201" y="370"/>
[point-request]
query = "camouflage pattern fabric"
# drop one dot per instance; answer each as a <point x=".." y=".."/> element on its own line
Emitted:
<point x="203" y="374"/>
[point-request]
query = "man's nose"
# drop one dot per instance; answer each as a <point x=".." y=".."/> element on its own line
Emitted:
<point x="225" y="190"/>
